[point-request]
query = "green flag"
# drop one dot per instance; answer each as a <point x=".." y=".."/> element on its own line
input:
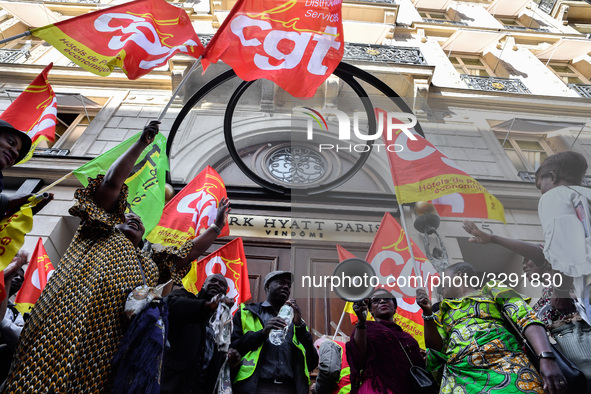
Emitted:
<point x="146" y="182"/>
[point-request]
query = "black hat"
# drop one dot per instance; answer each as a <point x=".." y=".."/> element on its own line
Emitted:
<point x="25" y="139"/>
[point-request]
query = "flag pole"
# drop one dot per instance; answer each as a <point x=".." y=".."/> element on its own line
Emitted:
<point x="46" y="188"/>
<point x="340" y="322"/>
<point x="185" y="78"/>
<point x="412" y="255"/>
<point x="178" y="88"/>
<point x="5" y="40"/>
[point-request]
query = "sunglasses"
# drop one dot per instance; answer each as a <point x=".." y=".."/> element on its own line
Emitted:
<point x="376" y="300"/>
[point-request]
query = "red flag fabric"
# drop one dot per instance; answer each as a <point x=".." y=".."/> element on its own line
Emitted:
<point x="2" y="288"/>
<point x="422" y="173"/>
<point x="230" y="261"/>
<point x="462" y="205"/>
<point x="38" y="273"/>
<point x="193" y="209"/>
<point x="34" y="111"/>
<point x="296" y="44"/>
<point x="137" y="37"/>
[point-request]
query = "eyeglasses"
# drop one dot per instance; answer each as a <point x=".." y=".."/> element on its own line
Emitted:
<point x="376" y="300"/>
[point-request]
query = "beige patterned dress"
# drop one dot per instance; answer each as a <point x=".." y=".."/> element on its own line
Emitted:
<point x="75" y="327"/>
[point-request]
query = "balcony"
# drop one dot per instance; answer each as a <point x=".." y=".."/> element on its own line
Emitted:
<point x="494" y="84"/>
<point x="528" y="176"/>
<point x="14" y="55"/>
<point x="582" y="90"/>
<point x="547" y="5"/>
<point x="383" y="53"/>
<point x="373" y="1"/>
<point x="524" y="28"/>
<point x="441" y="21"/>
<point x="75" y="1"/>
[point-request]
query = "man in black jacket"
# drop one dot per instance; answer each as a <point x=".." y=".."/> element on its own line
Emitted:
<point x="267" y="368"/>
<point x="192" y="363"/>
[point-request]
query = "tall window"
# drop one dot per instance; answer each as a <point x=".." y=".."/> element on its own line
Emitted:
<point x="471" y="65"/>
<point x="525" y="152"/>
<point x="568" y="73"/>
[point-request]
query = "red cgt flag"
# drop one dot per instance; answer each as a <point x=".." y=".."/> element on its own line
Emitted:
<point x="34" y="111"/>
<point x="296" y="44"/>
<point x="38" y="273"/>
<point x="192" y="210"/>
<point x="136" y="36"/>
<point x="230" y="261"/>
<point x="422" y="173"/>
<point x="389" y="255"/>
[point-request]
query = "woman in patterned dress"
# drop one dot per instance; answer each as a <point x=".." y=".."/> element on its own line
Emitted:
<point x="70" y="339"/>
<point x="469" y="338"/>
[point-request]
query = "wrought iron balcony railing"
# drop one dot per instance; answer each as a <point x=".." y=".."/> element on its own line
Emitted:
<point x="14" y="55"/>
<point x="528" y="176"/>
<point x="494" y="84"/>
<point x="52" y="152"/>
<point x="75" y="1"/>
<point x="383" y="53"/>
<point x="375" y="1"/>
<point x="441" y="21"/>
<point x="547" y="5"/>
<point x="524" y="28"/>
<point x="369" y="52"/>
<point x="582" y="90"/>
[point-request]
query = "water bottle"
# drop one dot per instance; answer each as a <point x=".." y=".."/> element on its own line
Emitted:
<point x="276" y="337"/>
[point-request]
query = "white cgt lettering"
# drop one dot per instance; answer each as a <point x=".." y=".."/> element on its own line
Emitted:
<point x="272" y="49"/>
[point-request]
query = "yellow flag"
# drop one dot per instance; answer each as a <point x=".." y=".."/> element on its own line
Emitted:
<point x="13" y="230"/>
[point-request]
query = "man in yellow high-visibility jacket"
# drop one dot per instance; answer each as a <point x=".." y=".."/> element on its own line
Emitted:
<point x="267" y="368"/>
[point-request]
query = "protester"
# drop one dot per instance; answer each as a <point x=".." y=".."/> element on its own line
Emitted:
<point x="12" y="323"/>
<point x="267" y="368"/>
<point x="193" y="362"/>
<point x="567" y="322"/>
<point x="333" y="368"/>
<point x="564" y="213"/>
<point x="376" y="351"/>
<point x="74" y="330"/>
<point x="14" y="146"/>
<point x="469" y="338"/>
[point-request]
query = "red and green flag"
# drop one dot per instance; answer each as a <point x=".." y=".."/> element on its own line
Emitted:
<point x="296" y="44"/>
<point x="38" y="273"/>
<point x="34" y="111"/>
<point x="146" y="182"/>
<point x="137" y="37"/>
<point x="191" y="211"/>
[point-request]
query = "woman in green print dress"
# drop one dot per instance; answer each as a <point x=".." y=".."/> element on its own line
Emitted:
<point x="470" y="340"/>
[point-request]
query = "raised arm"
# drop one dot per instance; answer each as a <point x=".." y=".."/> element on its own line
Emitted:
<point x="107" y="193"/>
<point x="432" y="338"/>
<point x="526" y="249"/>
<point x="204" y="240"/>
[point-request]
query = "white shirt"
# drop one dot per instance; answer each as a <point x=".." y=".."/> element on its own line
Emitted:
<point x="564" y="213"/>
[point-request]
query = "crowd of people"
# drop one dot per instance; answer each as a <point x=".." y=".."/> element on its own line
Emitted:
<point x="80" y="334"/>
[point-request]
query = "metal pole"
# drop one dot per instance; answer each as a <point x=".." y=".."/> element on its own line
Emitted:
<point x="5" y="40"/>
<point x="340" y="322"/>
<point x="178" y="88"/>
<point x="412" y="255"/>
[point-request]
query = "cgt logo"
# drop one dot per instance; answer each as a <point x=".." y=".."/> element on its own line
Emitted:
<point x="390" y="122"/>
